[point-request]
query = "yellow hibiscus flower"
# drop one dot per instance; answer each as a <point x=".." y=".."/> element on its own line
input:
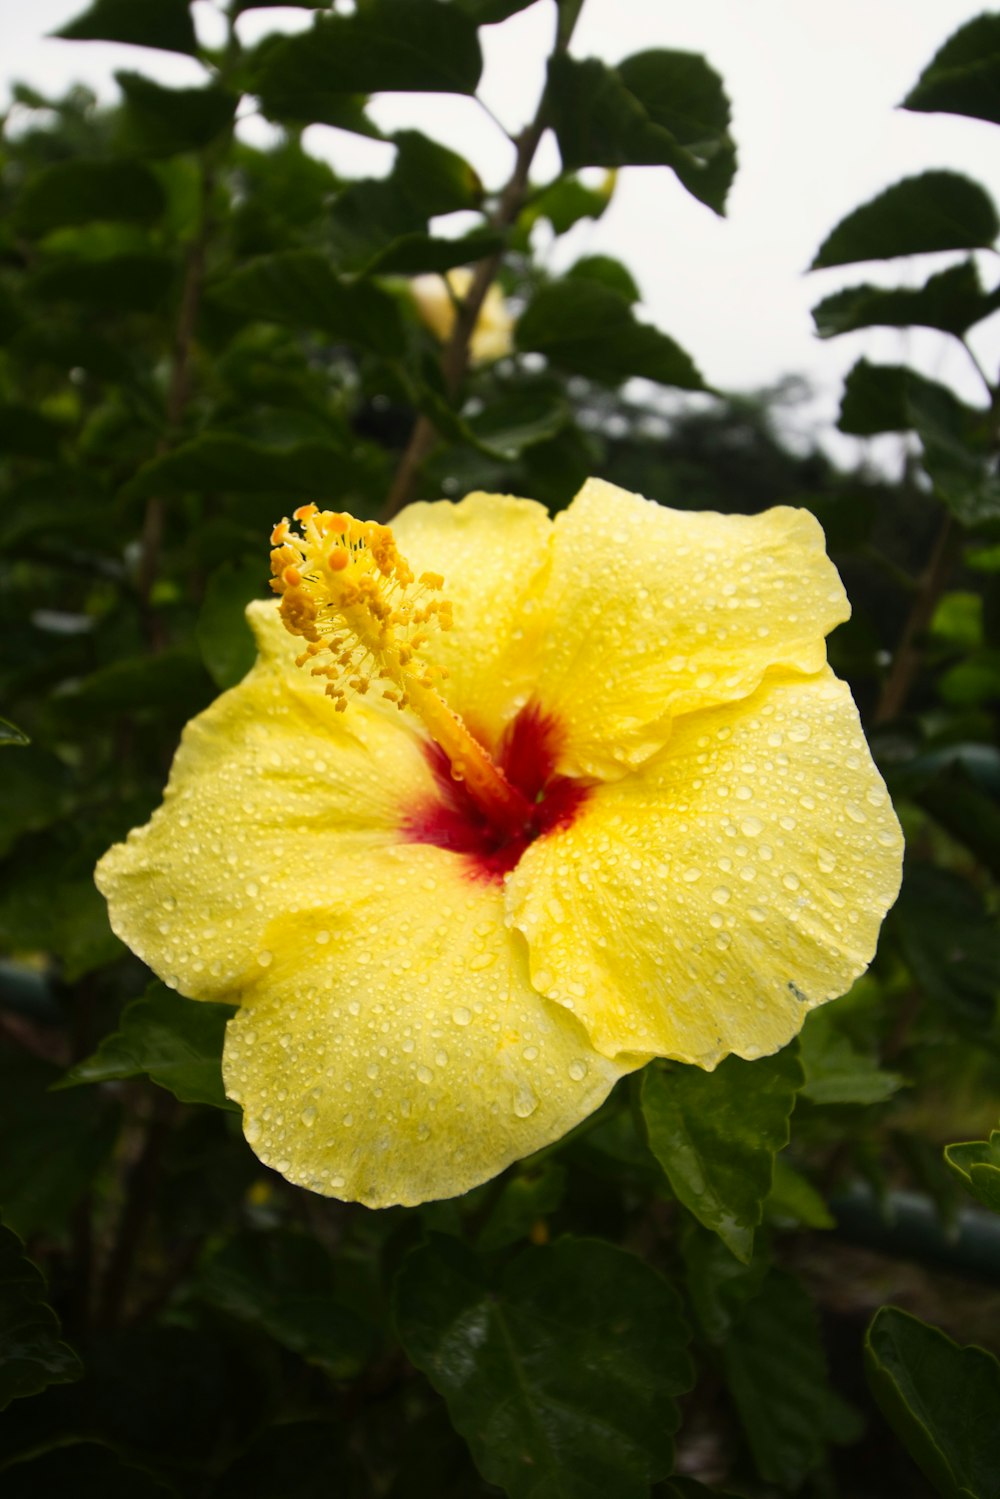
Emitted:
<point x="606" y="803"/>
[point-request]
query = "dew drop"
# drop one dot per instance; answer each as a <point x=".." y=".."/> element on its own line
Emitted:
<point x="440" y="1059"/>
<point x="530" y="1053"/>
<point x="525" y="1102"/>
<point x="578" y="1070"/>
<point x="265" y="958"/>
<point x="790" y="881"/>
<point x="751" y="826"/>
<point x="308" y="1117"/>
<point x="721" y="894"/>
<point x="854" y="812"/>
<point x="322" y="938"/>
<point x="461" y="1015"/>
<point x="252" y="1131"/>
<point x="690" y="875"/>
<point x="424" y="1074"/>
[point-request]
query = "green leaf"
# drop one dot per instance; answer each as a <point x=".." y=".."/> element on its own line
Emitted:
<point x="566" y="201"/>
<point x="403" y="45"/>
<point x="415" y="253"/>
<point x="174" y="680"/>
<point x="175" y="1041"/>
<point x="956" y="438"/>
<point x="953" y="300"/>
<point x="719" y="1285"/>
<point x="489" y="12"/>
<point x="968" y="812"/>
<point x="224" y="637"/>
<point x="163" y="121"/>
<point x="32" y="1357"/>
<point x="562" y="1374"/>
<point x="963" y="78"/>
<point x="590" y="330"/>
<point x="432" y="177"/>
<point x="776" y="1372"/>
<point x="606" y="271"/>
<point x="794" y="1200"/>
<point x="165" y="24"/>
<point x="284" y="1283"/>
<point x="26" y="432"/>
<point x="33" y="790"/>
<point x="658" y="108"/>
<point x="940" y="1400"/>
<point x="531" y="1194"/>
<point x="519" y="420"/>
<point x="220" y="462"/>
<point x="934" y="211"/>
<point x="298" y="287"/>
<point x="976" y="1163"/>
<point x="138" y="282"/>
<point x="716" y="1135"/>
<point x="951" y="943"/>
<point x="836" y="1072"/>
<point x="78" y="192"/>
<point x="11" y="734"/>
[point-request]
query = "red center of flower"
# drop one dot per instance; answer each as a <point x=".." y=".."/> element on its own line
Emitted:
<point x="527" y="756"/>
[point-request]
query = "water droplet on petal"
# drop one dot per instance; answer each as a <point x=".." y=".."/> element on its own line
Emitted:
<point x="308" y="1117"/>
<point x="265" y="958"/>
<point x="578" y="1070"/>
<point x="461" y="1015"/>
<point x="525" y="1102"/>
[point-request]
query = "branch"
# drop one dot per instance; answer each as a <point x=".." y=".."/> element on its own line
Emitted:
<point x="455" y="357"/>
<point x="906" y="661"/>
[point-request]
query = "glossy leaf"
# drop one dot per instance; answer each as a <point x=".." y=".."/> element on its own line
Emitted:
<point x="934" y="211"/>
<point x="175" y="1041"/>
<point x="165" y="24"/>
<point x="525" y="1361"/>
<point x="953" y="300"/>
<point x="32" y="1355"/>
<point x="716" y="1135"/>
<point x="11" y="734"/>
<point x="162" y="121"/>
<point x="284" y="1283"/>
<point x="837" y="1071"/>
<point x="976" y="1163"/>
<point x="590" y="330"/>
<point x="402" y="45"/>
<point x="658" y="108"/>
<point x="776" y="1373"/>
<point x="940" y="1399"/>
<point x="224" y="637"/>
<point x="299" y="287"/>
<point x="77" y="192"/>
<point x="963" y="78"/>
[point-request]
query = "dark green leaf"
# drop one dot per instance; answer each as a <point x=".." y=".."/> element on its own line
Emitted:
<point x="934" y="211"/>
<point x="78" y="192"/>
<point x="940" y="1400"/>
<point x="224" y="638"/>
<point x="591" y="330"/>
<point x="11" y="734"/>
<point x="953" y="300"/>
<point x="175" y="1041"/>
<point x="776" y="1372"/>
<point x="32" y="790"/>
<point x="563" y="1375"/>
<point x="566" y="201"/>
<point x="434" y="178"/>
<point x="517" y="421"/>
<point x="489" y="12"/>
<point x="300" y="288"/>
<point x="951" y="942"/>
<point x="969" y="812"/>
<point x="162" y="121"/>
<point x="173" y="680"/>
<point x="606" y="271"/>
<point x="217" y="462"/>
<point x="530" y="1195"/>
<point x="317" y="106"/>
<point x="794" y="1200"/>
<point x="718" y="1284"/>
<point x="118" y="283"/>
<point x="976" y="1163"/>
<point x="73" y="928"/>
<point x="414" y="253"/>
<point x="402" y="45"/>
<point x="31" y="1353"/>
<point x="657" y="108"/>
<point x="836" y="1071"/>
<point x="716" y="1135"/>
<point x="285" y="1283"/>
<point x="963" y="78"/>
<point x="165" y="24"/>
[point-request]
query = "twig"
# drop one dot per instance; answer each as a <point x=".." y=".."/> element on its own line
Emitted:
<point x="906" y="661"/>
<point x="455" y="357"/>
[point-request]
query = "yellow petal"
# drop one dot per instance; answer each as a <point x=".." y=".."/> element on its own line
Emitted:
<point x="269" y="786"/>
<point x="394" y="1050"/>
<point x="664" y="611"/>
<point x="493" y="551"/>
<point x="705" y="903"/>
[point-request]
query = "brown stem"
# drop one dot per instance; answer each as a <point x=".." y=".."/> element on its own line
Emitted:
<point x="906" y="662"/>
<point x="177" y="395"/>
<point x="455" y="356"/>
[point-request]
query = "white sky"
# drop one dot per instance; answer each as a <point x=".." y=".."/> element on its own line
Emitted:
<point x="813" y="87"/>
